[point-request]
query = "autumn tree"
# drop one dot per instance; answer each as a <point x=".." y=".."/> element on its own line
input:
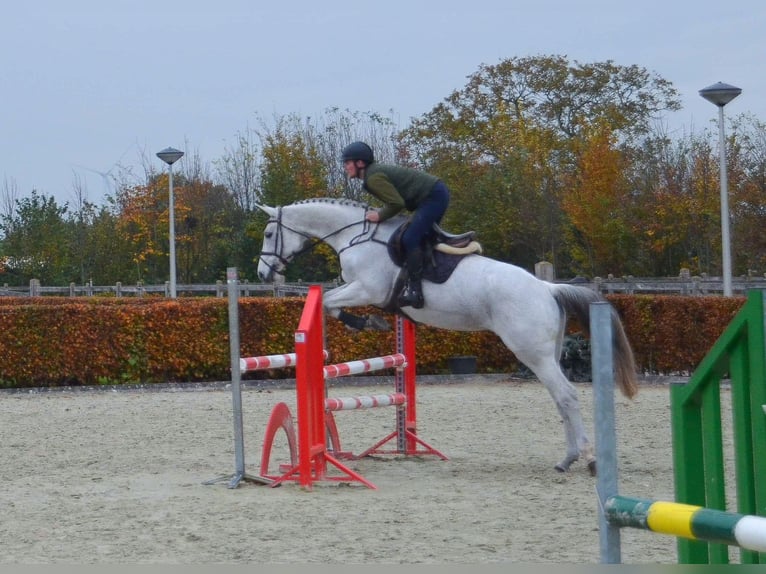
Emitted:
<point x="521" y="120"/>
<point x="208" y="231"/>
<point x="546" y="158"/>
<point x="291" y="169"/>
<point x="143" y="224"/>
<point x="677" y="221"/>
<point x="597" y="202"/>
<point x="746" y="171"/>
<point x="509" y="199"/>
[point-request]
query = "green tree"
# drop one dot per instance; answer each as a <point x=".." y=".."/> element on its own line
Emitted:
<point x="36" y="242"/>
<point x="111" y="251"/>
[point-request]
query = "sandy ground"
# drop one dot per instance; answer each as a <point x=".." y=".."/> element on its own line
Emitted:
<point x="117" y="477"/>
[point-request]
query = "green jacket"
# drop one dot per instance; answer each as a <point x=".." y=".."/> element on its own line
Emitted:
<point x="397" y="187"/>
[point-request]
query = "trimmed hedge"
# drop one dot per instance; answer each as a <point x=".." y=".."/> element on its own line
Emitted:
<point x="52" y="341"/>
<point x="671" y="334"/>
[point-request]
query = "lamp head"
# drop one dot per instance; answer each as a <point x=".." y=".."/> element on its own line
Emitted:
<point x="720" y="94"/>
<point x="170" y="155"/>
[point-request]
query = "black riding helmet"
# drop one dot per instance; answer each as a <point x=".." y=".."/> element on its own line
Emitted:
<point x="358" y="151"/>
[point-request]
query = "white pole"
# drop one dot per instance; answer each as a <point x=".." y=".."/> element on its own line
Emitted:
<point x="172" y="235"/>
<point x="721" y="94"/>
<point x="170" y="156"/>
<point x="725" y="239"/>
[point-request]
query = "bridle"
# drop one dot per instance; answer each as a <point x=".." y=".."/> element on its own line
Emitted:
<point x="312" y="241"/>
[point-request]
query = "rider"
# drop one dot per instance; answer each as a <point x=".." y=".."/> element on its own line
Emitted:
<point x="399" y="187"/>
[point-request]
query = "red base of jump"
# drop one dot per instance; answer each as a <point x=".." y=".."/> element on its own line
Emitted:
<point x="411" y="437"/>
<point x="281" y="418"/>
<point x="309" y="461"/>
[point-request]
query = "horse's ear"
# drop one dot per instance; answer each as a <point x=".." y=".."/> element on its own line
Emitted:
<point x="270" y="211"/>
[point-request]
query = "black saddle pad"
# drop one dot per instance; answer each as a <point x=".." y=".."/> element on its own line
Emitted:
<point x="441" y="266"/>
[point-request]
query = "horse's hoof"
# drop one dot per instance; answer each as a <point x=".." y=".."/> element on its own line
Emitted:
<point x="592" y="467"/>
<point x="561" y="468"/>
<point x="377" y="323"/>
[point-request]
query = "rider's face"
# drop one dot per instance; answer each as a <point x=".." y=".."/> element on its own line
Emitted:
<point x="352" y="167"/>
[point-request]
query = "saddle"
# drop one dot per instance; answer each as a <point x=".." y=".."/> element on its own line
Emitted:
<point x="455" y="243"/>
<point x="442" y="251"/>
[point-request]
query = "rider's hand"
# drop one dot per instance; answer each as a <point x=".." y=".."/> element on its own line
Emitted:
<point x="372" y="216"/>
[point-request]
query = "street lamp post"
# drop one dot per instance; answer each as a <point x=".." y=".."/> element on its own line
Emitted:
<point x="721" y="94"/>
<point x="171" y="155"/>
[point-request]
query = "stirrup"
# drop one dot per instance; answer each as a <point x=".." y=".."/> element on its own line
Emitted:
<point x="410" y="297"/>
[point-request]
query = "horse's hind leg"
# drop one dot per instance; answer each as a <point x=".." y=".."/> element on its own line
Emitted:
<point x="564" y="394"/>
<point x="578" y="445"/>
<point x="573" y="452"/>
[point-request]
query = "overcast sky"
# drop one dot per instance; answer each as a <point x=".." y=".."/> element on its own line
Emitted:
<point x="88" y="84"/>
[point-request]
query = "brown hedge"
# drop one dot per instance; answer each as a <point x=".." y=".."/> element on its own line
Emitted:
<point x="670" y="334"/>
<point x="49" y="341"/>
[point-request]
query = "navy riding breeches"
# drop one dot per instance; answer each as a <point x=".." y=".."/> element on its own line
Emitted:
<point x="427" y="213"/>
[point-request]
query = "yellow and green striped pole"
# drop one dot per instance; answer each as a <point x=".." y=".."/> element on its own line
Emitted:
<point x="688" y="521"/>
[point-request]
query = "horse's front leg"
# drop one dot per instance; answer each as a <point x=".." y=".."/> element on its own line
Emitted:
<point x="353" y="295"/>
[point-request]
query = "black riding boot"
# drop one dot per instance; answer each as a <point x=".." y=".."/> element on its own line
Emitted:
<point x="412" y="294"/>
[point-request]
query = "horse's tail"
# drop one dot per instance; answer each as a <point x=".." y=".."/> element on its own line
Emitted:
<point x="576" y="300"/>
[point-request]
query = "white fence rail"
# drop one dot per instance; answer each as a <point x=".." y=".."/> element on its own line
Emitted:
<point x="217" y="289"/>
<point x="674" y="286"/>
<point x="684" y="284"/>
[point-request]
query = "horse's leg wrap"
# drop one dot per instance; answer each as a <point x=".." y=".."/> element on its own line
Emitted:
<point x="353" y="321"/>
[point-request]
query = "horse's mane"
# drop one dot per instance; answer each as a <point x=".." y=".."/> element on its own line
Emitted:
<point x="342" y="201"/>
<point x="334" y="201"/>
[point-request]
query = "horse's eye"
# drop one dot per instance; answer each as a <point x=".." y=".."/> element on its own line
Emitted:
<point x="268" y="234"/>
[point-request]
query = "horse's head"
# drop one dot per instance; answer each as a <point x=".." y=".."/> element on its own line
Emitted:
<point x="296" y="228"/>
<point x="277" y="247"/>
